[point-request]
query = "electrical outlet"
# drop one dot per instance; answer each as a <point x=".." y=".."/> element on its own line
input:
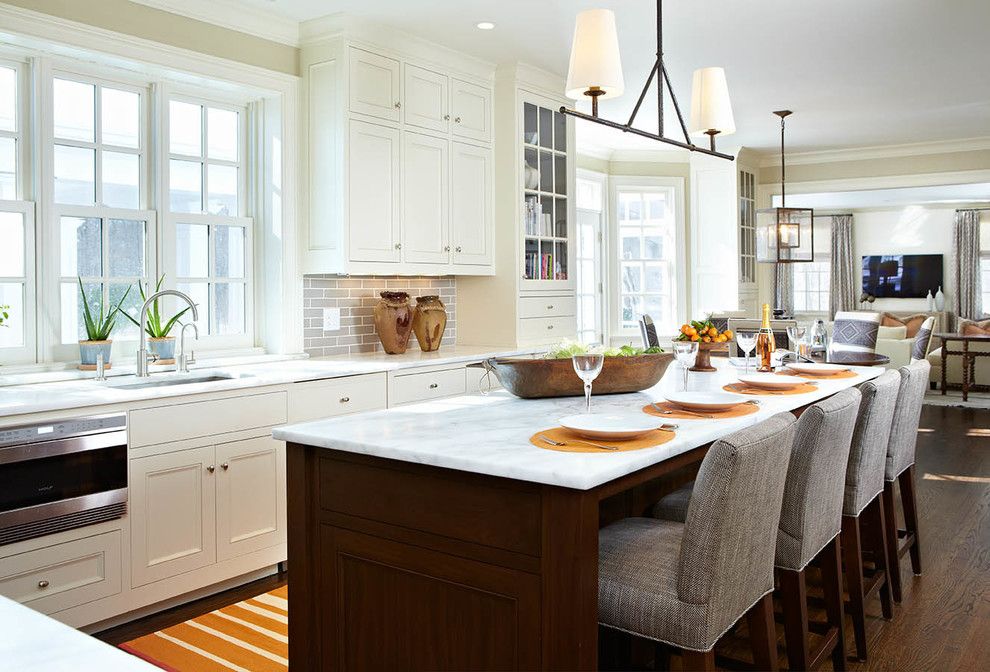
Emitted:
<point x="331" y="319"/>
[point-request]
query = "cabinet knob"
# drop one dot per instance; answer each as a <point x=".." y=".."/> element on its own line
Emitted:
<point x="457" y="249"/>
<point x="549" y="326"/>
<point x="211" y="468"/>
<point x="43" y="584"/>
<point x="446" y="117"/>
<point x="446" y="248"/>
<point x="457" y="120"/>
<point x="225" y="466"/>
<point x="433" y="386"/>
<point x="398" y="105"/>
<point x="344" y="400"/>
<point x="398" y="246"/>
<point x="550" y="307"/>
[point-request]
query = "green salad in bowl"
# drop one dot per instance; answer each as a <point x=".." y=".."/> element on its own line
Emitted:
<point x="568" y="348"/>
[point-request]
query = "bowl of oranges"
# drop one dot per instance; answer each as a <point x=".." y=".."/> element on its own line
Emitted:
<point x="708" y="338"/>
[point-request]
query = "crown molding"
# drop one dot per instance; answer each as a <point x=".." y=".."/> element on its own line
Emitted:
<point x="877" y="152"/>
<point x="235" y="16"/>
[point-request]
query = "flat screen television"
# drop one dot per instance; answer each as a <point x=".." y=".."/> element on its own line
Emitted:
<point x="902" y="276"/>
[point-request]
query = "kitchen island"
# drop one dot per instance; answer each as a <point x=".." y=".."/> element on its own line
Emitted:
<point x="436" y="536"/>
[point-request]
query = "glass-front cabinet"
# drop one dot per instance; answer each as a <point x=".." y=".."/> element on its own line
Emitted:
<point x="547" y="186"/>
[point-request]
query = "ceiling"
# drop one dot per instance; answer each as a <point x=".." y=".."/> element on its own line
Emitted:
<point x="856" y="73"/>
<point x="960" y="195"/>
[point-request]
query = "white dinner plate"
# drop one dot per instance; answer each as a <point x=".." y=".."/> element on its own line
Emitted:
<point x="706" y="401"/>
<point x="816" y="369"/>
<point x="611" y="425"/>
<point x="771" y="381"/>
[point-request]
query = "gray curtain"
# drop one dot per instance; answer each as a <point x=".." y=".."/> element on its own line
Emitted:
<point x="966" y="245"/>
<point x="783" y="287"/>
<point x="845" y="287"/>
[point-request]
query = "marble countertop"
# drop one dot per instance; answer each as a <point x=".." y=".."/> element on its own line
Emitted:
<point x="34" y="642"/>
<point x="75" y="393"/>
<point x="490" y="434"/>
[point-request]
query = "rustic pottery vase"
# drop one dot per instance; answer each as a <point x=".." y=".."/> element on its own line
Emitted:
<point x="90" y="350"/>
<point x="163" y="349"/>
<point x="394" y="321"/>
<point x="429" y="321"/>
<point x="703" y="362"/>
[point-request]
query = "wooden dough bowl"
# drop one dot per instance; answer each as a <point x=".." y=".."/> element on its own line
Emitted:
<point x="540" y="378"/>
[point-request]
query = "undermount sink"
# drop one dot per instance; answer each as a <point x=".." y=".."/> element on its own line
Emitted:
<point x="140" y="384"/>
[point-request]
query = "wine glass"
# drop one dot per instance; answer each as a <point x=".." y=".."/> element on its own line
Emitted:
<point x="797" y="334"/>
<point x="746" y="340"/>
<point x="587" y="367"/>
<point x="686" y="353"/>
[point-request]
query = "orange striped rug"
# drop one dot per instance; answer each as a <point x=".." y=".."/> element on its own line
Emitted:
<point x="250" y="636"/>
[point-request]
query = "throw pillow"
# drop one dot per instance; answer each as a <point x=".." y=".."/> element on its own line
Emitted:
<point x="912" y="323"/>
<point x="974" y="329"/>
<point x="898" y="333"/>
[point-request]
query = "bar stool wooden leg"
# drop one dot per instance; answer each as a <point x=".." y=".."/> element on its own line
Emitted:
<point x="910" y="504"/>
<point x="704" y="661"/>
<point x="853" y="554"/>
<point x="880" y="555"/>
<point x="890" y="538"/>
<point x="763" y="634"/>
<point x="794" y="595"/>
<point x="831" y="566"/>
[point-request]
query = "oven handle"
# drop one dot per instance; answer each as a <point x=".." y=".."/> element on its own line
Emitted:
<point x="75" y="444"/>
<point x="61" y="507"/>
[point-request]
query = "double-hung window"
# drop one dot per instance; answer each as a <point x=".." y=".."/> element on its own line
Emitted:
<point x="812" y="283"/>
<point x="985" y="280"/>
<point x="208" y="239"/>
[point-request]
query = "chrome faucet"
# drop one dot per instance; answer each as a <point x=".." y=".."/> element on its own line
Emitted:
<point x="142" y="353"/>
<point x="186" y="359"/>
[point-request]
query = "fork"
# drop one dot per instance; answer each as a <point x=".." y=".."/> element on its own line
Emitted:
<point x="545" y="439"/>
<point x="664" y="411"/>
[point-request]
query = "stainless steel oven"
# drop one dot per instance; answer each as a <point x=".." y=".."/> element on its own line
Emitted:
<point x="61" y="475"/>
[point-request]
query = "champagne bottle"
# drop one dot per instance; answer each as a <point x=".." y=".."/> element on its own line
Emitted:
<point x="765" y="344"/>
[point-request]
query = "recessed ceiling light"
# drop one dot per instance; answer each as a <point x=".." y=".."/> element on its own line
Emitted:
<point x="486" y="25"/>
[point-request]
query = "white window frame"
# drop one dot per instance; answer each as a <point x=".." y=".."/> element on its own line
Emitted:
<point x="804" y="268"/>
<point x="598" y="259"/>
<point x="985" y="286"/>
<point x="27" y="352"/>
<point x="675" y="186"/>
<point x="21" y="128"/>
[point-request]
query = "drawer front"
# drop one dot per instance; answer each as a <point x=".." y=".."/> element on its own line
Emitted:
<point x="340" y="396"/>
<point x="415" y="387"/>
<point x="66" y="575"/>
<point x="148" y="426"/>
<point x="547" y="329"/>
<point x="547" y="306"/>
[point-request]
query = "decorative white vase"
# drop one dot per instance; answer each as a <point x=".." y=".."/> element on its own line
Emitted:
<point x="939" y="299"/>
<point x="931" y="301"/>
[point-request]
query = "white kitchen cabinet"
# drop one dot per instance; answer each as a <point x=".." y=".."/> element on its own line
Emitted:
<point x="471" y="217"/>
<point x="471" y="110"/>
<point x="250" y="496"/>
<point x="373" y="192"/>
<point x="425" y="98"/>
<point x="425" y="209"/>
<point x="374" y="84"/>
<point x="173" y="514"/>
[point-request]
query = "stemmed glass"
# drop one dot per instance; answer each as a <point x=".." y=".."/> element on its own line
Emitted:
<point x="686" y="353"/>
<point x="587" y="367"/>
<point x="797" y="336"/>
<point x="746" y="340"/>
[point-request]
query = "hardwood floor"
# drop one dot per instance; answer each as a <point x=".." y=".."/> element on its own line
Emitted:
<point x="944" y="620"/>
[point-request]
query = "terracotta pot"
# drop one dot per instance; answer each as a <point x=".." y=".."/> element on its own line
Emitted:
<point x="394" y="321"/>
<point x="429" y="321"/>
<point x="704" y="360"/>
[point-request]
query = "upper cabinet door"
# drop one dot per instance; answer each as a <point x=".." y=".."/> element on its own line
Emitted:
<point x="424" y="203"/>
<point x="425" y="98"/>
<point x="471" y="204"/>
<point x="250" y="496"/>
<point x="471" y="110"/>
<point x="374" y="85"/>
<point x="373" y="192"/>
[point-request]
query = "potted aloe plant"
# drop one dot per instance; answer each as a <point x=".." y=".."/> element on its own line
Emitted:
<point x="160" y="344"/>
<point x="98" y="331"/>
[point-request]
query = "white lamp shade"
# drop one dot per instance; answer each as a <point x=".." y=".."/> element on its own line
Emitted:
<point x="710" y="106"/>
<point x="595" y="55"/>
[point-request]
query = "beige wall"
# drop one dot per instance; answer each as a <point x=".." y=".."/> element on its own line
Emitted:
<point x="149" y="23"/>
<point x="904" y="165"/>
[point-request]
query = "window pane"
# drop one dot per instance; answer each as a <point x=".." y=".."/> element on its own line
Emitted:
<point x="82" y="249"/>
<point x="221" y="134"/>
<point x="12" y="330"/>
<point x="229" y="307"/>
<point x="124" y="328"/>
<point x="199" y="292"/>
<point x="8" y="99"/>
<point x="192" y="251"/>
<point x="73" y="324"/>
<point x="229" y="252"/>
<point x="75" y="175"/>
<point x="185" y="129"/>
<point x="75" y="110"/>
<point x="652" y="244"/>
<point x="654" y="278"/>
<point x="632" y="308"/>
<point x="126" y="248"/>
<point x="12" y="247"/>
<point x="121" y="123"/>
<point x="185" y="186"/>
<point x="222" y="181"/>
<point x="8" y="169"/>
<point x="632" y="278"/>
<point x="630" y="247"/>
<point x="121" y="175"/>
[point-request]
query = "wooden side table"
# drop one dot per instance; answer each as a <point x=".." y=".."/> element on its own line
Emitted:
<point x="968" y="358"/>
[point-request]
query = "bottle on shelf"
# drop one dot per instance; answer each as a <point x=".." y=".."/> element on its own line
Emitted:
<point x="765" y="344"/>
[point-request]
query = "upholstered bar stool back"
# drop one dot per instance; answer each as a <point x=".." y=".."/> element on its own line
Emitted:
<point x="867" y="456"/>
<point x="855" y="331"/>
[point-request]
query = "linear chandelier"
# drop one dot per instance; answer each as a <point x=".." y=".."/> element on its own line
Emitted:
<point x="596" y="71"/>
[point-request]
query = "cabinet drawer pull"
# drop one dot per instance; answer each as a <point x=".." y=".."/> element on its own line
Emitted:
<point x="457" y="249"/>
<point x="43" y="584"/>
<point x="457" y="120"/>
<point x="398" y="246"/>
<point x="211" y="468"/>
<point x="398" y="105"/>
<point x="549" y="326"/>
<point x="344" y="400"/>
<point x="446" y="248"/>
<point x="446" y="117"/>
<point x="550" y="307"/>
<point x="225" y="466"/>
<point x="433" y="386"/>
